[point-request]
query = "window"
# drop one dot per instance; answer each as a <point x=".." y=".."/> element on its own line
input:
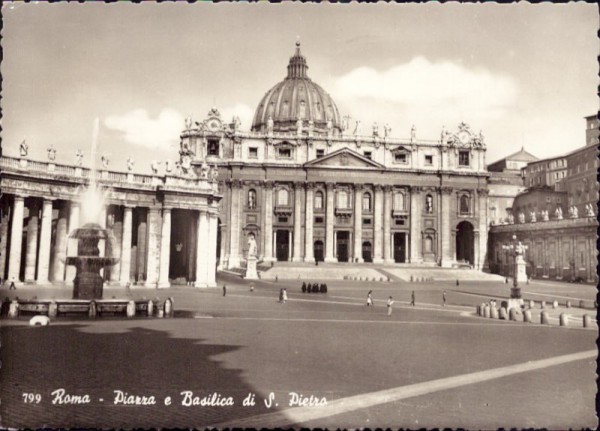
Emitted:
<point x="368" y="154"/>
<point x="399" y="222"/>
<point x="429" y="204"/>
<point x="342" y="199"/>
<point x="252" y="199"/>
<point x="320" y="153"/>
<point x="285" y="153"/>
<point x="428" y="159"/>
<point x="282" y="197"/>
<point x="366" y="202"/>
<point x="213" y="147"/>
<point x="282" y="219"/>
<point x="318" y="220"/>
<point x="399" y="201"/>
<point x="253" y="153"/>
<point x="367" y="221"/>
<point x="319" y="200"/>
<point x="463" y="158"/>
<point x="428" y="244"/>
<point x="400" y="157"/>
<point x="464" y="204"/>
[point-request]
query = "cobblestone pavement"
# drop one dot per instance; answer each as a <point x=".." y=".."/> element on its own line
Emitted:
<point x="321" y="345"/>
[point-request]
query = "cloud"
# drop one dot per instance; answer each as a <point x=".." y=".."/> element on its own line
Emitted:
<point x="141" y="130"/>
<point x="425" y="92"/>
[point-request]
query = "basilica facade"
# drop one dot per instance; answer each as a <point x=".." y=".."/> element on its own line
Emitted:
<point x="309" y="186"/>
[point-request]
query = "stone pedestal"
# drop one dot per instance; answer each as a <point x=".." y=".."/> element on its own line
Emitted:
<point x="251" y="273"/>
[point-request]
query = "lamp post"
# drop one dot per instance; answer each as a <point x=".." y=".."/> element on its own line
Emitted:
<point x="516" y="250"/>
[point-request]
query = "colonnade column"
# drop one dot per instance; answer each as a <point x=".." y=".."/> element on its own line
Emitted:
<point x="234" y="245"/>
<point x="72" y="245"/>
<point x="377" y="231"/>
<point x="416" y="255"/>
<point x="329" y="223"/>
<point x="483" y="229"/>
<point x="16" y="239"/>
<point x="45" y="243"/>
<point x="201" y="250"/>
<point x="60" y="247"/>
<point x="445" y="212"/>
<point x="32" y="240"/>
<point x="358" y="188"/>
<point x="308" y="230"/>
<point x="152" y="247"/>
<point x="126" y="246"/>
<point x="165" y="249"/>
<point x="3" y="240"/>
<point x="297" y="222"/>
<point x="213" y="226"/>
<point x="387" y="233"/>
<point x="117" y="230"/>
<point x="268" y="232"/>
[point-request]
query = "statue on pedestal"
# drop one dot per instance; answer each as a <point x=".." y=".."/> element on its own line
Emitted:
<point x="299" y="127"/>
<point x="574" y="212"/>
<point x="357" y="128"/>
<point x="521" y="217"/>
<point x="168" y="166"/>
<point x="346" y="123"/>
<point x="311" y="127"/>
<point x="23" y="148"/>
<point x="532" y="217"/>
<point x="589" y="210"/>
<point x="375" y="129"/>
<point x="204" y="170"/>
<point x="188" y="122"/>
<point x="130" y="164"/>
<point x="251" y="247"/>
<point x="251" y="260"/>
<point x="79" y="158"/>
<point x="270" y="125"/>
<point x="413" y="133"/>
<point x="105" y="161"/>
<point x="511" y="219"/>
<point x="558" y="213"/>
<point x="51" y="153"/>
<point x="545" y="216"/>
<point x="387" y="130"/>
<point x="214" y="173"/>
<point x="329" y="127"/>
<point x="154" y="166"/>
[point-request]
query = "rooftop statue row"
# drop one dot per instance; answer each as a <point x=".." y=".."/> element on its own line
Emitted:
<point x="558" y="215"/>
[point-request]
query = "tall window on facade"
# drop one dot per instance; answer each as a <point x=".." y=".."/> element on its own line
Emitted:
<point x="213" y="147"/>
<point x="399" y="201"/>
<point x="282" y="197"/>
<point x="428" y="244"/>
<point x="252" y="199"/>
<point x="366" y="202"/>
<point x="342" y="199"/>
<point x="319" y="200"/>
<point x="463" y="158"/>
<point x="464" y="204"/>
<point x="429" y="204"/>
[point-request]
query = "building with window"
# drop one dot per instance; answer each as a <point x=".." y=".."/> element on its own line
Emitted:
<point x="307" y="185"/>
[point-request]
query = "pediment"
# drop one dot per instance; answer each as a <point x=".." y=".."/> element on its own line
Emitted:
<point x="344" y="158"/>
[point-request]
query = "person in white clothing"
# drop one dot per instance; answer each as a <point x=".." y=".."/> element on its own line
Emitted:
<point x="390" y="301"/>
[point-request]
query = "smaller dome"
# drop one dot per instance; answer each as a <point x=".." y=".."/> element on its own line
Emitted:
<point x="296" y="97"/>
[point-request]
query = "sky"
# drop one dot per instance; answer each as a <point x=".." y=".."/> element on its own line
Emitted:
<point x="525" y="75"/>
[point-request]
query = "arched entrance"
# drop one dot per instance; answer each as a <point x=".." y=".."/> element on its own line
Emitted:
<point x="399" y="247"/>
<point x="342" y="241"/>
<point x="282" y="245"/>
<point x="465" y="250"/>
<point x="318" y="251"/>
<point x="367" y="251"/>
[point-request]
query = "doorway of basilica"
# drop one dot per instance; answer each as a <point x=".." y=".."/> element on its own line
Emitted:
<point x="465" y="250"/>
<point x="367" y="253"/>
<point x="342" y="241"/>
<point x="318" y="251"/>
<point x="282" y="245"/>
<point x="399" y="247"/>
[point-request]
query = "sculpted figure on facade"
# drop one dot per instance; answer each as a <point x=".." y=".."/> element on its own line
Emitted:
<point x="558" y="213"/>
<point x="204" y="170"/>
<point x="130" y="164"/>
<point x="51" y="153"/>
<point x="520" y="249"/>
<point x="154" y="166"/>
<point x="329" y="126"/>
<point x="532" y="217"/>
<point x="311" y="127"/>
<point x="270" y="125"/>
<point x="574" y="212"/>
<point x="387" y="130"/>
<point x="79" y="158"/>
<point x="357" y="128"/>
<point x="168" y="166"/>
<point x="105" y="161"/>
<point x="237" y="123"/>
<point x="299" y="126"/>
<point x="346" y="123"/>
<point x="251" y="246"/>
<point x="521" y="217"/>
<point x="375" y="129"/>
<point x="23" y="148"/>
<point x="413" y="133"/>
<point x="214" y="173"/>
<point x="188" y="122"/>
<point x="589" y="210"/>
<point x="545" y="216"/>
<point x="511" y="219"/>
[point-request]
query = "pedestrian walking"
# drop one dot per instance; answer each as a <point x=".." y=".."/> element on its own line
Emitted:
<point x="444" y="298"/>
<point x="412" y="298"/>
<point x="303" y="287"/>
<point x="390" y="301"/>
<point x="224" y="289"/>
<point x="370" y="299"/>
<point x="280" y="295"/>
<point x="12" y="284"/>
<point x="284" y="297"/>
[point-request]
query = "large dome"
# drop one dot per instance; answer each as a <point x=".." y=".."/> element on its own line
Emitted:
<point x="296" y="97"/>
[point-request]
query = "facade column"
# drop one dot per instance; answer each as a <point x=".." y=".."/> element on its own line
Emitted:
<point x="202" y="250"/>
<point x="445" y="212"/>
<point x="140" y="266"/>
<point x="297" y="222"/>
<point x="234" y="246"/>
<point x="268" y="228"/>
<point x="126" y="246"/>
<point x="358" y="192"/>
<point x="377" y="224"/>
<point x="45" y="243"/>
<point x="16" y="239"/>
<point x="60" y="246"/>
<point x="3" y="239"/>
<point x="309" y="255"/>
<point x="165" y="249"/>
<point x="416" y="254"/>
<point x="483" y="230"/>
<point x="152" y="246"/>
<point x="213" y="226"/>
<point x="387" y="232"/>
<point x="32" y="240"/>
<point x="329" y="223"/>
<point x="72" y="245"/>
<point x="115" y="246"/>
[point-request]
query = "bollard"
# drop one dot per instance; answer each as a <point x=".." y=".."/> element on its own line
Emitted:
<point x="93" y="310"/>
<point x="531" y="303"/>
<point x="493" y="313"/>
<point x="544" y="318"/>
<point x="555" y="304"/>
<point x="160" y="309"/>
<point x="527" y="316"/>
<point x="150" y="310"/>
<point x="486" y="310"/>
<point x="13" y="310"/>
<point x="512" y="314"/>
<point x="543" y="305"/>
<point x="568" y="304"/>
<point x="564" y="319"/>
<point x="52" y="309"/>
<point x="169" y="307"/>
<point x="502" y="315"/>
<point x="130" y="309"/>
<point x="587" y="321"/>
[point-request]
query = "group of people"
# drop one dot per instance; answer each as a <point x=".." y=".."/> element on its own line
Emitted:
<point x="371" y="303"/>
<point x="283" y="295"/>
<point x="314" y="288"/>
